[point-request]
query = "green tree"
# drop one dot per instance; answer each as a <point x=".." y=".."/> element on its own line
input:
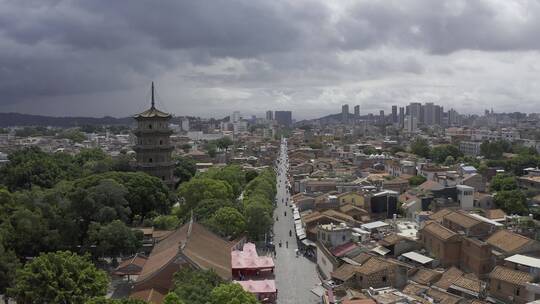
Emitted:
<point x="72" y="134"/>
<point x="441" y="153"/>
<point x="184" y="169"/>
<point x="198" y="189"/>
<point x="227" y="222"/>
<point x="420" y="147"/>
<point x="194" y="286"/>
<point x="416" y="180"/>
<point x="9" y="263"/>
<point x="211" y="149"/>
<point x="207" y="207"/>
<point x="450" y="160"/>
<point x="185" y="147"/>
<point x="503" y="182"/>
<point x="30" y="167"/>
<point x="250" y="175"/>
<point x="166" y="222"/>
<point x="232" y="293"/>
<point x="512" y="202"/>
<point x="28" y="233"/>
<point x="232" y="174"/>
<point x="59" y="277"/>
<point x="114" y="239"/>
<point x="172" y="298"/>
<point x="102" y="300"/>
<point x="223" y="143"/>
<point x="145" y="193"/>
<point x="495" y="149"/>
<point x="258" y="220"/>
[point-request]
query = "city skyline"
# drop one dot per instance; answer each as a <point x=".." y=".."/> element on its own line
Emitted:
<point x="308" y="57"/>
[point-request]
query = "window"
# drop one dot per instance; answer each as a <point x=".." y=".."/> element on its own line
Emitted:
<point x="161" y="142"/>
<point x="150" y="160"/>
<point x="149" y="126"/>
<point x="384" y="279"/>
<point x="498" y="285"/>
<point x="517" y="291"/>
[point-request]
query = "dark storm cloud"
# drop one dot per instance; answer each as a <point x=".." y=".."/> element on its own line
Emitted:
<point x="284" y="52"/>
<point x="66" y="47"/>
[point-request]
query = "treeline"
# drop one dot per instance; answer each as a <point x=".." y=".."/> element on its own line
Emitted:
<point x="442" y="154"/>
<point x="51" y="202"/>
<point x="212" y="198"/>
<point x="31" y="167"/>
<point x="66" y="211"/>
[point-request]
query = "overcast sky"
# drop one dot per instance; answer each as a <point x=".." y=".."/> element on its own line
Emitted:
<point x="211" y="57"/>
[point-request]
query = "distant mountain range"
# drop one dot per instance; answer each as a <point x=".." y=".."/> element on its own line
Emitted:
<point x="17" y="119"/>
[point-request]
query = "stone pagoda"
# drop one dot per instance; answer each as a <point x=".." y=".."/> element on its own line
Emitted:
<point x="153" y="145"/>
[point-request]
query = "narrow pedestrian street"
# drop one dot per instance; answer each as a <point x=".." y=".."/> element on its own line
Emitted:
<point x="295" y="276"/>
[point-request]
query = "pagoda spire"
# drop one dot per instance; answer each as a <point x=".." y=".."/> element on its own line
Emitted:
<point x="153" y="101"/>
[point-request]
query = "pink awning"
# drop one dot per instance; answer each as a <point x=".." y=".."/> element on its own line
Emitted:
<point x="262" y="286"/>
<point x="248" y="259"/>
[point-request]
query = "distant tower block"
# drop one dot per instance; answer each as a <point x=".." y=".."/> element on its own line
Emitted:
<point x="153" y="145"/>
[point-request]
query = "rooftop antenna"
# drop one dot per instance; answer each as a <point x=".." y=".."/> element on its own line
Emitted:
<point x="153" y="101"/>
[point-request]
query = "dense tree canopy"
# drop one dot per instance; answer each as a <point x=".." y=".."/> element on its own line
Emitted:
<point x="60" y="277"/>
<point x="420" y="147"/>
<point x="9" y="263"/>
<point x="232" y="174"/>
<point x="512" y="202"/>
<point x="184" y="169"/>
<point x="440" y="154"/>
<point x="198" y="189"/>
<point x="227" y="222"/>
<point x="114" y="239"/>
<point x="144" y="194"/>
<point x="195" y="286"/>
<point x="503" y="182"/>
<point x="417" y="180"/>
<point x="32" y="167"/>
<point x="495" y="149"/>
<point x="166" y="222"/>
<point x="231" y="293"/>
<point x="102" y="300"/>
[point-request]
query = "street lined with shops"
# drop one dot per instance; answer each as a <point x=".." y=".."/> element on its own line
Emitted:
<point x="296" y="275"/>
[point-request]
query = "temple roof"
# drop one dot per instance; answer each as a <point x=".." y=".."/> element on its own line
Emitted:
<point x="152" y="113"/>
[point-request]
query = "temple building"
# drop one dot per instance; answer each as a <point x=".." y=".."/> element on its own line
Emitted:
<point x="153" y="144"/>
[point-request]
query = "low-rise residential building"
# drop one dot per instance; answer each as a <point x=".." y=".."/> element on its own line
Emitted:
<point x="441" y="243"/>
<point x="505" y="243"/>
<point x="471" y="148"/>
<point x="509" y="285"/>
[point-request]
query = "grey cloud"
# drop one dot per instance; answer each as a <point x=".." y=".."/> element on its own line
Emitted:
<point x="442" y="27"/>
<point x="284" y="53"/>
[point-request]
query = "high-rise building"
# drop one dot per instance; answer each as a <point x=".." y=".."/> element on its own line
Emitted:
<point x="453" y="117"/>
<point x="429" y="113"/>
<point x="283" y="118"/>
<point x="357" y="111"/>
<point x="153" y="146"/>
<point x="185" y="124"/>
<point x="415" y="109"/>
<point x="235" y="117"/>
<point x="394" y="114"/>
<point x="269" y="115"/>
<point x="401" y="116"/>
<point x="438" y="115"/>
<point x="345" y="113"/>
<point x="382" y="119"/>
<point x="411" y="124"/>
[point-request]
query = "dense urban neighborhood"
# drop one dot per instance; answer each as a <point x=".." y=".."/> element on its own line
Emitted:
<point x="419" y="206"/>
